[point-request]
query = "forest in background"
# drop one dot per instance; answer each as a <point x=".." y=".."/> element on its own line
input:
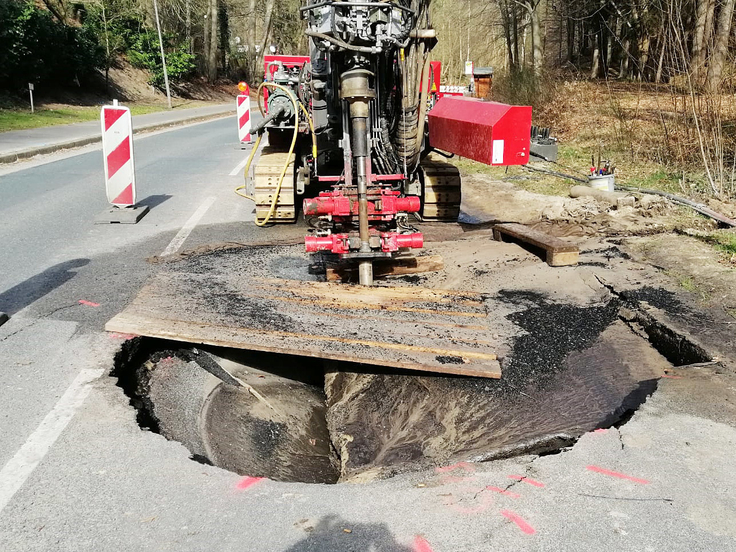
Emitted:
<point x="643" y="40"/>
<point x="656" y="75"/>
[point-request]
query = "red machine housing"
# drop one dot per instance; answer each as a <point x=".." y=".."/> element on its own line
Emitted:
<point x="487" y="132"/>
<point x="288" y="61"/>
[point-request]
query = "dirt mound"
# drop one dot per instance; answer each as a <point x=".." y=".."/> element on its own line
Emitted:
<point x="564" y="216"/>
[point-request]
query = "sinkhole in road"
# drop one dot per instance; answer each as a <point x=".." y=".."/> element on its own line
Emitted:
<point x="572" y="369"/>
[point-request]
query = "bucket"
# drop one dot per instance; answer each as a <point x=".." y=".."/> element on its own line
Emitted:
<point x="605" y="182"/>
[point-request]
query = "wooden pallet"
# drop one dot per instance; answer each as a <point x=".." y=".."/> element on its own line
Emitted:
<point x="557" y="252"/>
<point x="399" y="327"/>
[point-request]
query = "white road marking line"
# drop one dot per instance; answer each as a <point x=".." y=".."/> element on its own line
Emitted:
<point x="20" y="466"/>
<point x="183" y="234"/>
<point x="240" y="166"/>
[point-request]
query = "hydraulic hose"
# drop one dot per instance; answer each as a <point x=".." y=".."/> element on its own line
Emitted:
<point x="296" y="105"/>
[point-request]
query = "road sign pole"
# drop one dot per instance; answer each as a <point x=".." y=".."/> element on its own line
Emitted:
<point x="163" y="57"/>
<point x="30" y="91"/>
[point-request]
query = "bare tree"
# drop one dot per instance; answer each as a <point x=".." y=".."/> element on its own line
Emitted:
<point x="211" y="53"/>
<point x="720" y="45"/>
<point x="703" y="20"/>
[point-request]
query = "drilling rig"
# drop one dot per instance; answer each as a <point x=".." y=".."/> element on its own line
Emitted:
<point x="349" y="132"/>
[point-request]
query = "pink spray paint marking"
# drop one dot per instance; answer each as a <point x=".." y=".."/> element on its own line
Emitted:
<point x="524" y="479"/>
<point x="503" y="492"/>
<point x="88" y="303"/>
<point x="459" y="466"/>
<point x="519" y="521"/>
<point x="421" y="545"/>
<point x="247" y="482"/>
<point x="601" y="431"/>
<point x="604" y="471"/>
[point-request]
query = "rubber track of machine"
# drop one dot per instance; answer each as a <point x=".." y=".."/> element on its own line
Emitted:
<point x="267" y="173"/>
<point x="441" y="190"/>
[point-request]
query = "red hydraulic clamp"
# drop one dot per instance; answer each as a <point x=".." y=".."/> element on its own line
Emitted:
<point x="340" y="244"/>
<point x="383" y="207"/>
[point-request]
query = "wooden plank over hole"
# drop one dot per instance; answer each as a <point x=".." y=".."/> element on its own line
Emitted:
<point x="289" y="317"/>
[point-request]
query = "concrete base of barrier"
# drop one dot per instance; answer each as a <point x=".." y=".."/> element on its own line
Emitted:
<point x="122" y="215"/>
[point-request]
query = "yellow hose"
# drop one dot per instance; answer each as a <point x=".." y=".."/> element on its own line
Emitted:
<point x="296" y="105"/>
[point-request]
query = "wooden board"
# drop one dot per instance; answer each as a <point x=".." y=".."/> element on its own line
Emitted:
<point x="400" y="327"/>
<point x="389" y="267"/>
<point x="558" y="252"/>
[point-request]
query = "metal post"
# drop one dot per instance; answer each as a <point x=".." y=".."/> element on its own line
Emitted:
<point x="163" y="57"/>
<point x="355" y="88"/>
<point x="30" y="91"/>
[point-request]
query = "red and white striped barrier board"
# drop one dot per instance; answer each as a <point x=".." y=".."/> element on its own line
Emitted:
<point x="117" y="147"/>
<point x="244" y="118"/>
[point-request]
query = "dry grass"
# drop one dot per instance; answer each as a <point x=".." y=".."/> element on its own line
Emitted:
<point x="648" y="131"/>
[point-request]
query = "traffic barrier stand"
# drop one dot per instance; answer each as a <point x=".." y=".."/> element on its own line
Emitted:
<point x="243" y="105"/>
<point x="117" y="149"/>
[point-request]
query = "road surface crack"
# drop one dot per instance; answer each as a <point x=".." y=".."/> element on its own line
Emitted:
<point x="36" y="321"/>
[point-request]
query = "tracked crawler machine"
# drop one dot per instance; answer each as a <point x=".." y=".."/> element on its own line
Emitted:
<point x="348" y="132"/>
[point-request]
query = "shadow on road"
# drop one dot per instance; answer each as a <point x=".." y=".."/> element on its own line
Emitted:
<point x="154" y="201"/>
<point x="28" y="292"/>
<point x="329" y="535"/>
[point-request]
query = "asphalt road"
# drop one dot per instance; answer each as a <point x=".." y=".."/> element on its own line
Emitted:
<point x="79" y="474"/>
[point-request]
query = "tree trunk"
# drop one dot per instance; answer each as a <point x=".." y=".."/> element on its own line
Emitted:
<point x="251" y="41"/>
<point x="212" y="54"/>
<point x="188" y="25"/>
<point x="644" y="45"/>
<point x="535" y="14"/>
<point x="720" y="46"/>
<point x="524" y="49"/>
<point x="515" y="28"/>
<point x="206" y="41"/>
<point x="570" y="40"/>
<point x="59" y="12"/>
<point x="625" y="61"/>
<point x="596" y="61"/>
<point x="506" y="23"/>
<point x="660" y="63"/>
<point x="700" y="39"/>
<point x="609" y="46"/>
<point x="267" y="21"/>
